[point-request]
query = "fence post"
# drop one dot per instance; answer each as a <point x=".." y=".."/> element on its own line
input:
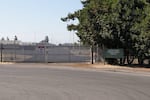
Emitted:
<point x="23" y="53"/>
<point x="1" y="52"/>
<point x="46" y="54"/>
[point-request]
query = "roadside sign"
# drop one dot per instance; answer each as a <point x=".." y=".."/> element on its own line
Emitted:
<point x="113" y="53"/>
<point x="41" y="46"/>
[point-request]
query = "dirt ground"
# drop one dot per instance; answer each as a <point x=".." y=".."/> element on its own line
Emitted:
<point x="99" y="66"/>
<point x="107" y="67"/>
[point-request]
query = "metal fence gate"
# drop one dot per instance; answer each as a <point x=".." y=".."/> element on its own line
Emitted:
<point x="45" y="53"/>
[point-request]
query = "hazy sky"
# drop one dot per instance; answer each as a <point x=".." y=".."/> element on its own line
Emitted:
<point x="32" y="20"/>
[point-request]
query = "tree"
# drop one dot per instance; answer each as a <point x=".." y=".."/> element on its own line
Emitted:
<point x="7" y="39"/>
<point x="46" y="39"/>
<point x="113" y="23"/>
<point x="129" y="16"/>
<point x="15" y="38"/>
<point x="109" y="21"/>
<point x="92" y="27"/>
<point x="2" y="39"/>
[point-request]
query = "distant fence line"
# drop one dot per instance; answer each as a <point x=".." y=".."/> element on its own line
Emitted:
<point x="45" y="53"/>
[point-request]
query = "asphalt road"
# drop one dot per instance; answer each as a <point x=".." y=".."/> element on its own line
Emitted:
<point x="26" y="82"/>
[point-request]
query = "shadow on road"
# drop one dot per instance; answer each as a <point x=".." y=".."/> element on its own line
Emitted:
<point x="138" y="66"/>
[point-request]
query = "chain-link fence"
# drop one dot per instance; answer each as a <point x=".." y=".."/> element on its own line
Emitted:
<point x="44" y="53"/>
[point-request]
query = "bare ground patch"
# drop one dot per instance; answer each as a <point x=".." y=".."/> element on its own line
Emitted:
<point x="102" y="66"/>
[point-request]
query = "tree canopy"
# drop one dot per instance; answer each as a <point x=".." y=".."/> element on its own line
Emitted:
<point x="112" y="23"/>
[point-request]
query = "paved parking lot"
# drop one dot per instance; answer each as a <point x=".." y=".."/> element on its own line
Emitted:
<point x="45" y="82"/>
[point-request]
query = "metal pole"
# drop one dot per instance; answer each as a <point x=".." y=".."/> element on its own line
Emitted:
<point x="1" y="52"/>
<point x="46" y="54"/>
<point x="15" y="48"/>
<point x="92" y="51"/>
